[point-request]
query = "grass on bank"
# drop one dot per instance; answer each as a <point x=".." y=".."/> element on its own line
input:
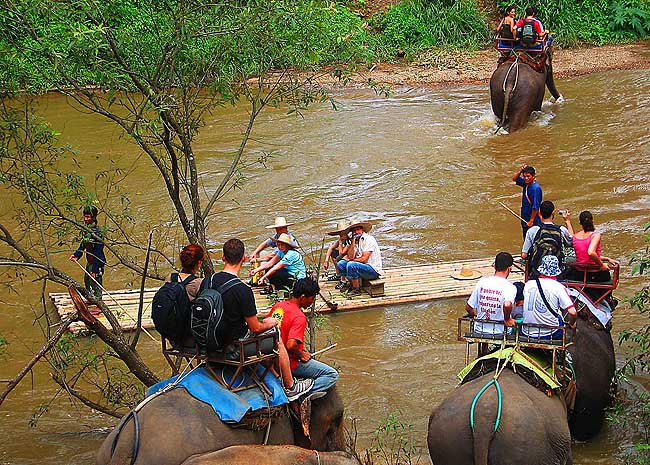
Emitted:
<point x="294" y="33"/>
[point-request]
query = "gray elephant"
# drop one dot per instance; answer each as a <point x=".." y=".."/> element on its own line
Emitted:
<point x="516" y="90"/>
<point x="271" y="455"/>
<point x="594" y="365"/>
<point x="175" y="426"/>
<point x="532" y="428"/>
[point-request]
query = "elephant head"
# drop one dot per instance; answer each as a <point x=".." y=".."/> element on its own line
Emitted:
<point x="321" y="422"/>
<point x="175" y="426"/>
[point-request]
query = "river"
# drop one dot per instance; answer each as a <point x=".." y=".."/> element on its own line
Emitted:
<point x="425" y="168"/>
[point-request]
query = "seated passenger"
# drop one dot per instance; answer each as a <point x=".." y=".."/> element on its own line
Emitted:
<point x="191" y="260"/>
<point x="284" y="268"/>
<point x="281" y="227"/>
<point x="364" y="258"/>
<point x="545" y="239"/>
<point x="240" y="313"/>
<point x="292" y="322"/>
<point x="506" y="29"/>
<point x="338" y="250"/>
<point x="586" y="243"/>
<point x="544" y="301"/>
<point x="493" y="298"/>
<point x="548" y="38"/>
<point x="529" y="31"/>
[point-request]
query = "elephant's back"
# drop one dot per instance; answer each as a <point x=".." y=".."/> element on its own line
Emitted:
<point x="175" y="426"/>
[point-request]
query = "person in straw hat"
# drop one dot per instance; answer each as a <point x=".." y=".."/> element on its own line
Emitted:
<point x="364" y="258"/>
<point x="493" y="298"/>
<point x="281" y="227"/>
<point x="338" y="250"/>
<point x="285" y="268"/>
<point x="544" y="300"/>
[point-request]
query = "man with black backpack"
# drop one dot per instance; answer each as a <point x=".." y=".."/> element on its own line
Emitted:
<point x="530" y="30"/>
<point x="546" y="239"/>
<point x="237" y="315"/>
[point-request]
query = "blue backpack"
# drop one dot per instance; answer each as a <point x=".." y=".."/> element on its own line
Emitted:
<point x="170" y="308"/>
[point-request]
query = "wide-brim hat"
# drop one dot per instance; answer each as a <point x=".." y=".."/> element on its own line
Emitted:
<point x="279" y="222"/>
<point x="341" y="226"/>
<point x="364" y="224"/>
<point x="466" y="272"/>
<point x="550" y="266"/>
<point x="286" y="239"/>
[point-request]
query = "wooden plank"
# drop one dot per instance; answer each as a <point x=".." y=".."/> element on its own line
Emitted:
<point x="403" y="284"/>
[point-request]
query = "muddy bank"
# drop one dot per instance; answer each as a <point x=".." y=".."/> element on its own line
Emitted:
<point x="439" y="69"/>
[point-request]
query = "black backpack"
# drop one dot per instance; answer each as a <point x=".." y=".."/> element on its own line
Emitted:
<point x="207" y="315"/>
<point x="528" y="34"/>
<point x="548" y="241"/>
<point x="170" y="308"/>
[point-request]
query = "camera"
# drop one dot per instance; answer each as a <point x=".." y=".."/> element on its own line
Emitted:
<point x="563" y="212"/>
<point x="356" y="236"/>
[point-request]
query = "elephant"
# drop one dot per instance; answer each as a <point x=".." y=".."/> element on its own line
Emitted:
<point x="174" y="426"/>
<point x="532" y="427"/>
<point x="516" y="90"/>
<point x="594" y="364"/>
<point x="271" y="455"/>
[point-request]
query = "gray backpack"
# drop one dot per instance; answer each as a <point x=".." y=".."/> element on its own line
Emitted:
<point x="207" y="315"/>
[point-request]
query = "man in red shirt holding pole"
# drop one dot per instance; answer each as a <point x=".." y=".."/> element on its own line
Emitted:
<point x="292" y="322"/>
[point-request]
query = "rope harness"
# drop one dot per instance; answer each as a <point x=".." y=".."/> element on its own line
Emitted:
<point x="494" y="381"/>
<point x="317" y="457"/>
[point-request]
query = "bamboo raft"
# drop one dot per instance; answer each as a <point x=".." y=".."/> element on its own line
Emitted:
<point x="402" y="285"/>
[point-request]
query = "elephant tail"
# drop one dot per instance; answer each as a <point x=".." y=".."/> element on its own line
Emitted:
<point x="509" y="86"/>
<point x="483" y="430"/>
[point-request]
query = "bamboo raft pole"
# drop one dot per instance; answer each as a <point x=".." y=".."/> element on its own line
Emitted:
<point x="403" y="284"/>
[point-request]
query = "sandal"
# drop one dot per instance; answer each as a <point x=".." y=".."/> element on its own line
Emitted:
<point x="333" y="278"/>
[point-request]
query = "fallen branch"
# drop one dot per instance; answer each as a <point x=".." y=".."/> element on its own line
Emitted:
<point x="44" y="350"/>
<point x="86" y="401"/>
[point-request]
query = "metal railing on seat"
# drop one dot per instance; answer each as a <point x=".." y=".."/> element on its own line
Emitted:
<point x="251" y="359"/>
<point x="524" y="335"/>
<point x="583" y="283"/>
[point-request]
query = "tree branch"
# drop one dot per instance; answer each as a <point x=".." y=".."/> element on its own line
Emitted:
<point x="50" y="343"/>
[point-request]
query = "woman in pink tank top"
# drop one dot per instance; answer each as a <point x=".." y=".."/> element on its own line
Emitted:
<point x="586" y="243"/>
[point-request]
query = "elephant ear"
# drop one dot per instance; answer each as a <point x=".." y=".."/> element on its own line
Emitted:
<point x="305" y="410"/>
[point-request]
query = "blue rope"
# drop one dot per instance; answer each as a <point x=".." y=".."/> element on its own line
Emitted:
<point x="477" y="397"/>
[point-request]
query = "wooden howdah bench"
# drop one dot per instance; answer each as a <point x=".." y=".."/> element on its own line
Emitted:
<point x="374" y="287"/>
<point x="468" y="334"/>
<point x="252" y="359"/>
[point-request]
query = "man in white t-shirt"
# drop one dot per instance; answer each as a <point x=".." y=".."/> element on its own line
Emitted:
<point x="364" y="262"/>
<point x="536" y="310"/>
<point x="493" y="298"/>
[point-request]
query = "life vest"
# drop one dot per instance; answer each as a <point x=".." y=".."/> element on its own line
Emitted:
<point x="528" y="35"/>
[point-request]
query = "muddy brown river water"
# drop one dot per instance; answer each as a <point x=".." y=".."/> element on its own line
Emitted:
<point x="425" y="168"/>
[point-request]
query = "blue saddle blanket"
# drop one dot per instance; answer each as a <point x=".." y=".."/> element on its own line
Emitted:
<point x="229" y="406"/>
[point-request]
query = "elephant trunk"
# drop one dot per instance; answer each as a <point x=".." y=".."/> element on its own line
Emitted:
<point x="550" y="82"/>
<point x="509" y="89"/>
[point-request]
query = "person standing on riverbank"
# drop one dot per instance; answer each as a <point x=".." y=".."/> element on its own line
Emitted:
<point x="531" y="197"/>
<point x="92" y="242"/>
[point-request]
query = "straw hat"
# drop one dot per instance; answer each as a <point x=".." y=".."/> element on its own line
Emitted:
<point x="466" y="273"/>
<point x="341" y="226"/>
<point x="279" y="222"/>
<point x="550" y="266"/>
<point x="364" y="224"/>
<point x="286" y="239"/>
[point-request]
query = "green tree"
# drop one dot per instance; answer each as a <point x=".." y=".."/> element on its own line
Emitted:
<point x="157" y="71"/>
<point x="633" y="415"/>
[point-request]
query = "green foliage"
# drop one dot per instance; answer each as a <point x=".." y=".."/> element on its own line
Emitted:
<point x="590" y="21"/>
<point x="630" y="19"/>
<point x="415" y="25"/>
<point x="633" y="416"/>
<point x="3" y="345"/>
<point x="392" y="443"/>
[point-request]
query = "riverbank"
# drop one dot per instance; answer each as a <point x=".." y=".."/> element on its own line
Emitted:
<point x="434" y="69"/>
